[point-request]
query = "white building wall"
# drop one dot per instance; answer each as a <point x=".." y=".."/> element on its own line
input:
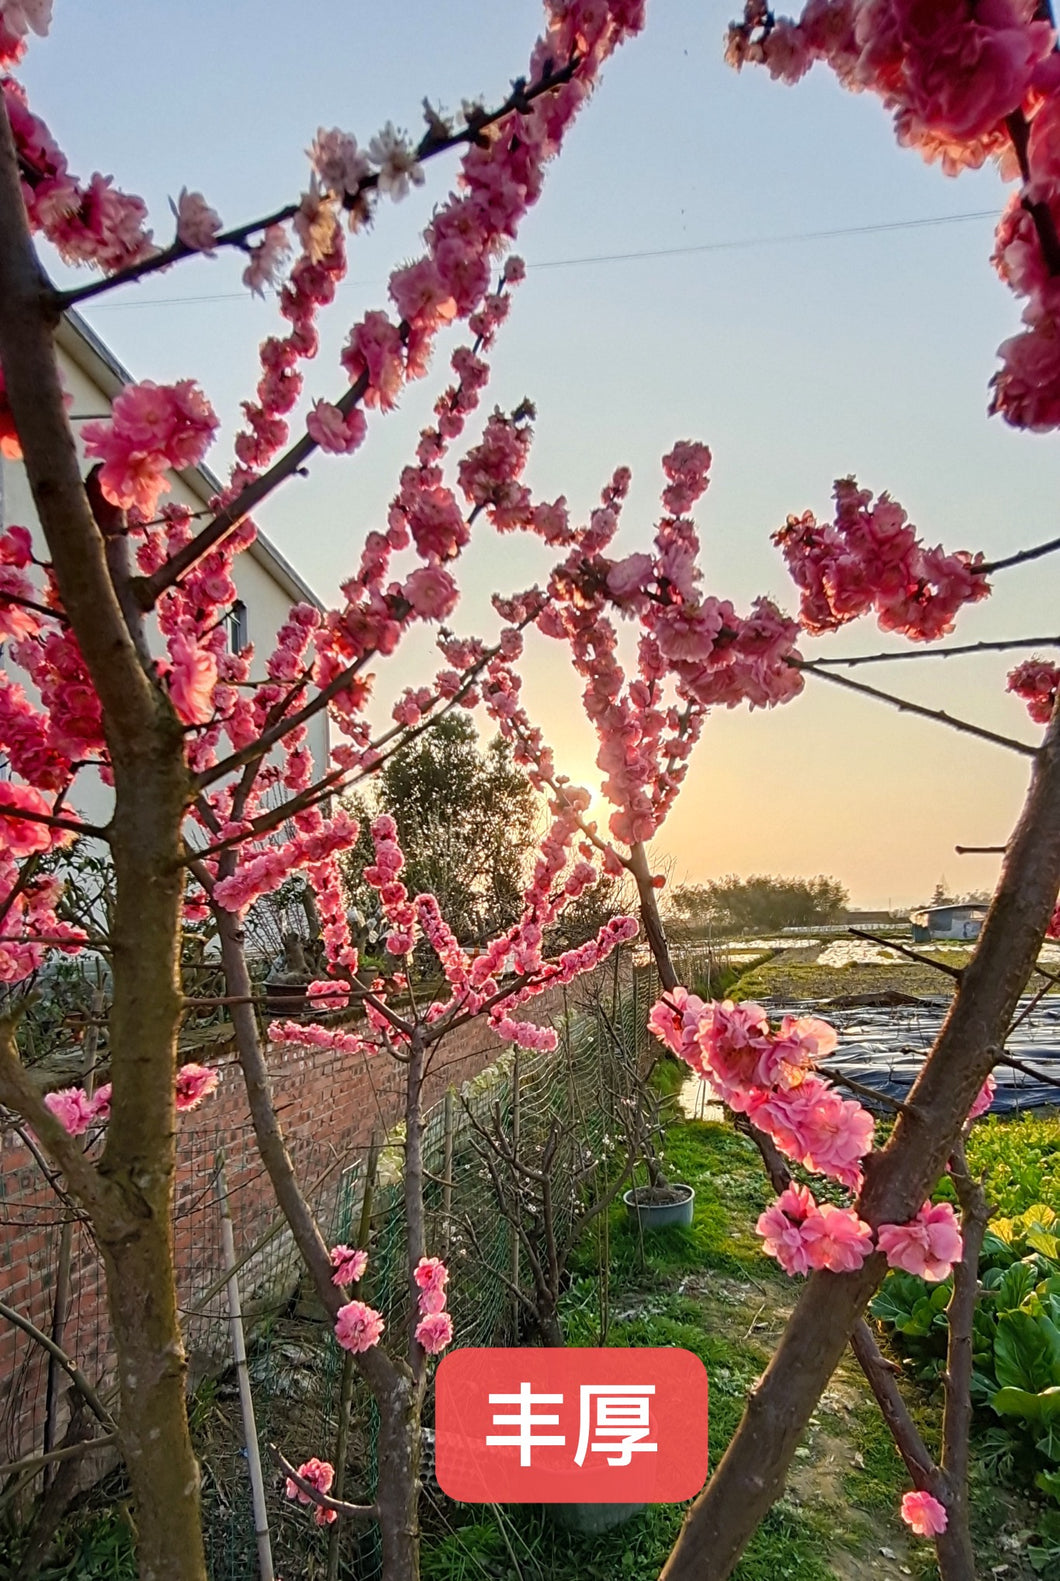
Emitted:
<point x="266" y="584"/>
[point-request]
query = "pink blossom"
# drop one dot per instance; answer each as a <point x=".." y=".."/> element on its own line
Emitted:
<point x="191" y="679"/>
<point x="19" y="835"/>
<point x="801" y="1235"/>
<point x="329" y="993"/>
<point x="928" y="1245"/>
<point x="687" y="466"/>
<point x="22" y="16"/>
<point x="432" y="592"/>
<point x="1037" y="682"/>
<point x="836" y="1238"/>
<point x="629" y="576"/>
<point x="152" y="428"/>
<point x="73" y="1109"/>
<point x="194" y="1083"/>
<point x="1027" y="387"/>
<point x="337" y="160"/>
<point x="924" y="1514"/>
<point x="984" y="1099"/>
<point x="375" y="352"/>
<point x="321" y="1473"/>
<point x="358" y="1327"/>
<point x="349" y="1265"/>
<point x="675" y="1022"/>
<point x="337" y="432"/>
<point x="396" y="158"/>
<point x="434" y="1332"/>
<point x="267" y="259"/>
<point x="198" y="226"/>
<point x="431" y="1277"/>
<point x="101" y="1102"/>
<point x="782" y="1225"/>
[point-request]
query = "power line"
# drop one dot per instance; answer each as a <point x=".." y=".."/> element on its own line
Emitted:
<point x="734" y="244"/>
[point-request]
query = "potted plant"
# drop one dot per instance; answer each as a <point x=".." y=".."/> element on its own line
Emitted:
<point x="659" y="1202"/>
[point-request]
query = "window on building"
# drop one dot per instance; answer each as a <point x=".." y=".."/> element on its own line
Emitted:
<point x="236" y="621"/>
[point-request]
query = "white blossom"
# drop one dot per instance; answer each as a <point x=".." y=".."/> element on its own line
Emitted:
<point x="396" y="158"/>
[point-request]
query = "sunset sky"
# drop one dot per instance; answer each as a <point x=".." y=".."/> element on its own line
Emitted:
<point x="796" y="360"/>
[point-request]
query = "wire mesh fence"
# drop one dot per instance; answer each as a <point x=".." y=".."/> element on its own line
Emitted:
<point x="296" y="1366"/>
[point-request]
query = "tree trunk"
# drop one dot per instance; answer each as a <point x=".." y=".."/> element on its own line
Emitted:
<point x="132" y="1208"/>
<point x="753" y="1470"/>
<point x="140" y="1158"/>
<point x="396" y="1392"/>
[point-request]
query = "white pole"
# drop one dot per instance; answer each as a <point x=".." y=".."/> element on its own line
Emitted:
<point x="246" y="1399"/>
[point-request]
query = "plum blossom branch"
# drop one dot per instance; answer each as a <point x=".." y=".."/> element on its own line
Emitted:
<point x="433" y="143"/>
<point x="1020" y="558"/>
<point x="148" y="589"/>
<point x="904" y="706"/>
<point x="942" y="653"/>
<point x="364" y="1512"/>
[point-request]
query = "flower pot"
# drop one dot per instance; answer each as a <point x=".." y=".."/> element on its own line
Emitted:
<point x="654" y="1206"/>
<point x="286" y="999"/>
<point x="590" y="1519"/>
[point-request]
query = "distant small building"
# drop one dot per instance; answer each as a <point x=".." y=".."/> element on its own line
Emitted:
<point x="960" y="922"/>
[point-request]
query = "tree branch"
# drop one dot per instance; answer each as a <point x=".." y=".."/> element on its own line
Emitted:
<point x="956" y="972"/>
<point x="897" y="1180"/>
<point x="362" y="1512"/>
<point x="1020" y="558"/>
<point x="904" y="706"/>
<point x="72" y="1370"/>
<point x="27" y="321"/>
<point x="942" y="653"/>
<point x="430" y="146"/>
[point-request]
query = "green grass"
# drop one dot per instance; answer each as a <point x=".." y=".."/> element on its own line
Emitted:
<point x="670" y="1288"/>
<point x="89" y="1547"/>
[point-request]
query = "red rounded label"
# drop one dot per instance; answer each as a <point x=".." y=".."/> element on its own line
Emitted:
<point x="571" y="1426"/>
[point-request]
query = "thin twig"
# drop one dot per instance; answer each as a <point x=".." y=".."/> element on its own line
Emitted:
<point x="73" y="1371"/>
<point x="956" y="972"/>
<point x="364" y="1512"/>
<point x="430" y="146"/>
<point x="1017" y="559"/>
<point x="942" y="653"/>
<point x="904" y="706"/>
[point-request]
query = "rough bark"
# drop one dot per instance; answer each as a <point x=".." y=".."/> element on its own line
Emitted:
<point x="752" y="1472"/>
<point x="131" y="1201"/>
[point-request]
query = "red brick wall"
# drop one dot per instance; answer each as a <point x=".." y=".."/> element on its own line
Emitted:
<point x="329" y="1105"/>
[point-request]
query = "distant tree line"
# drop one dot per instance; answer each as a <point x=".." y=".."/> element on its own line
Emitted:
<point x="761" y="903"/>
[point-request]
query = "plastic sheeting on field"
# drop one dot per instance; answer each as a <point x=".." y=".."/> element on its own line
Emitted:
<point x="884" y="1048"/>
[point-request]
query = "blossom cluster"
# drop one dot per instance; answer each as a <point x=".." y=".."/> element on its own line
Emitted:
<point x="870" y="559"/>
<point x="434" y="1331"/>
<point x="76" y="1110"/>
<point x="966" y="83"/>
<point x="769" y="1073"/>
<point x="1036" y="681"/>
<point x="89" y="222"/>
<point x="694" y="651"/>
<point x="320" y="1474"/>
<point x="152" y="428"/>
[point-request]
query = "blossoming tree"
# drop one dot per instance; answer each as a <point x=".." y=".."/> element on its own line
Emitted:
<point x="965" y="84"/>
<point x="205" y="763"/>
<point x="217" y="799"/>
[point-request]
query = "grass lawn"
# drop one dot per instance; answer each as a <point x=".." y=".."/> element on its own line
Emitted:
<point x="710" y="1290"/>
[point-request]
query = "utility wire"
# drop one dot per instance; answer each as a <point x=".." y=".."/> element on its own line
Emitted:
<point x="737" y="244"/>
